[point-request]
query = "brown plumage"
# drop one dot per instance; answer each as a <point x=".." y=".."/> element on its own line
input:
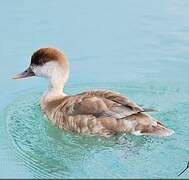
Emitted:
<point x="94" y="112"/>
<point x="101" y="112"/>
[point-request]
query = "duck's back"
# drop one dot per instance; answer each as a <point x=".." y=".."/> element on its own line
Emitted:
<point x="101" y="112"/>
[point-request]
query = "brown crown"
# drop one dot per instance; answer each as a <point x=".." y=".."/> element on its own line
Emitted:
<point x="44" y="55"/>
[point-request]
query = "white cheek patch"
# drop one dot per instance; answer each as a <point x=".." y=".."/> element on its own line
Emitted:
<point x="48" y="70"/>
<point x="37" y="70"/>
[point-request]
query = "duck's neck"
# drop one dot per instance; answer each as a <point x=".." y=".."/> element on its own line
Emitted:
<point x="56" y="83"/>
<point x="55" y="89"/>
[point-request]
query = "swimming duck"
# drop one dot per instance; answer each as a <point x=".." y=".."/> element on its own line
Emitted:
<point x="102" y="112"/>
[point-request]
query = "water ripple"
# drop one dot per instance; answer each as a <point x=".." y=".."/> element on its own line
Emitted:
<point x="49" y="152"/>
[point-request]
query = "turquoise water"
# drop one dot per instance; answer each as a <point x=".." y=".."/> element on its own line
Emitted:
<point x="139" y="48"/>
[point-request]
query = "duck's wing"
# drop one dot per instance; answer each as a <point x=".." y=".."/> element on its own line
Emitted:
<point x="105" y="112"/>
<point x="105" y="103"/>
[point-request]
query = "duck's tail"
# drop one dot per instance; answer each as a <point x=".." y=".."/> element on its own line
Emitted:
<point x="159" y="130"/>
<point x="147" y="125"/>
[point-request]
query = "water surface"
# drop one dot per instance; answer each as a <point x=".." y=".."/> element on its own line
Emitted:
<point x="139" y="48"/>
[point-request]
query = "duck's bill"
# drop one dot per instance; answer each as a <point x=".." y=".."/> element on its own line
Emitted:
<point x="27" y="73"/>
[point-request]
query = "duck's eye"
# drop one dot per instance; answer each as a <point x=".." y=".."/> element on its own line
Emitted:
<point x="41" y="61"/>
<point x="38" y="62"/>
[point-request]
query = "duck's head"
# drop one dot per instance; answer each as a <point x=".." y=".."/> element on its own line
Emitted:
<point x="47" y="62"/>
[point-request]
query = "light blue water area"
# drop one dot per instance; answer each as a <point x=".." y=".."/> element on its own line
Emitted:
<point x="139" y="48"/>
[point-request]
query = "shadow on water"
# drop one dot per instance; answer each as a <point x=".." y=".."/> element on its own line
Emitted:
<point x="50" y="152"/>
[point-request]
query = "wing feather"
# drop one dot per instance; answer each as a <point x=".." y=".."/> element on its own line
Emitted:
<point x="105" y="103"/>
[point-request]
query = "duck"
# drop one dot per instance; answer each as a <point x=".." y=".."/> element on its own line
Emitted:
<point x="96" y="112"/>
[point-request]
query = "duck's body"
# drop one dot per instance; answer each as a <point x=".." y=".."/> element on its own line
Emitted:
<point x="100" y="112"/>
<point x="94" y="112"/>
